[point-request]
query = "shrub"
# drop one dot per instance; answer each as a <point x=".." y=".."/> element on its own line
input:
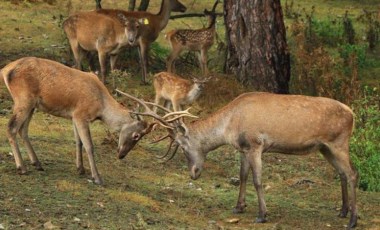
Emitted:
<point x="365" y="143"/>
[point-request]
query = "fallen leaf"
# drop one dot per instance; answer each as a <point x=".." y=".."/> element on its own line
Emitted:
<point x="2" y="226"/>
<point x="233" y="220"/>
<point x="49" y="225"/>
<point x="76" y="219"/>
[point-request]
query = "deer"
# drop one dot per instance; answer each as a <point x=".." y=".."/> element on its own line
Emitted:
<point x="199" y="40"/>
<point x="256" y="123"/>
<point x="176" y="90"/>
<point x="89" y="31"/>
<point x="154" y="24"/>
<point x="56" y="89"/>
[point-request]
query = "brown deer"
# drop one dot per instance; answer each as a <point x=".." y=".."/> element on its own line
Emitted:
<point x="257" y="123"/>
<point x="199" y="40"/>
<point x="176" y="90"/>
<point x="89" y="31"/>
<point x="155" y="23"/>
<point x="56" y="89"/>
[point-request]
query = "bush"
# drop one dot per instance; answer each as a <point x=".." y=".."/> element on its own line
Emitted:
<point x="365" y="143"/>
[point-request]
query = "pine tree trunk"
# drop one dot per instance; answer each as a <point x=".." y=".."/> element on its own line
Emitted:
<point x="256" y="40"/>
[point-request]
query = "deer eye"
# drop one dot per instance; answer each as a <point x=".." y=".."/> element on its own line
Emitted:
<point x="136" y="136"/>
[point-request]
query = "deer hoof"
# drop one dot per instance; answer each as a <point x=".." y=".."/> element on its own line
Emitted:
<point x="38" y="166"/>
<point x="21" y="170"/>
<point x="98" y="181"/>
<point x="81" y="171"/>
<point x="343" y="213"/>
<point x="353" y="222"/>
<point x="261" y="220"/>
<point x="239" y="209"/>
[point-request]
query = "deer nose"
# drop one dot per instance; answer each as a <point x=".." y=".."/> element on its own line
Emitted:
<point x="195" y="172"/>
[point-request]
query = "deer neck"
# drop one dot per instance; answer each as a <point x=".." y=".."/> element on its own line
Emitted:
<point x="164" y="14"/>
<point x="194" y="93"/>
<point x="115" y="115"/>
<point x="209" y="133"/>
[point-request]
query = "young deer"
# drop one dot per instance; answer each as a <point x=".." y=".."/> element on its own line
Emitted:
<point x="257" y="123"/>
<point x="193" y="40"/>
<point x="176" y="90"/>
<point x="53" y="88"/>
<point x="155" y="23"/>
<point x="89" y="31"/>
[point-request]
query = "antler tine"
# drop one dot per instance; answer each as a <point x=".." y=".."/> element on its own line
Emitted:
<point x="149" y="111"/>
<point x="160" y="139"/>
<point x="183" y="112"/>
<point x="159" y="106"/>
<point x="173" y="154"/>
<point x="167" y="152"/>
<point x="214" y="6"/>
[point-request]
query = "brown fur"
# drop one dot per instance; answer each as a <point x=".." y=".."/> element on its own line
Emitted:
<point x="90" y="31"/>
<point x="53" y="88"/>
<point x="156" y="23"/>
<point x="176" y="90"/>
<point x="193" y="40"/>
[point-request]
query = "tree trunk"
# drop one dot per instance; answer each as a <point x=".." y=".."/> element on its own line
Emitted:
<point x="143" y="5"/>
<point x="256" y="42"/>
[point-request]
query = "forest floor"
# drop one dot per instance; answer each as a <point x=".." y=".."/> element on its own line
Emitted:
<point x="140" y="191"/>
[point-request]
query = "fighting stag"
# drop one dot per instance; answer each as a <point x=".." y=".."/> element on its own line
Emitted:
<point x="53" y="88"/>
<point x="256" y="123"/>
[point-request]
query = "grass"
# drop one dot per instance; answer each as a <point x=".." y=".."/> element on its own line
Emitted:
<point x="140" y="192"/>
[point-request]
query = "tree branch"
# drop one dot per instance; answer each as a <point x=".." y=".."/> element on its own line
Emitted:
<point x="192" y="15"/>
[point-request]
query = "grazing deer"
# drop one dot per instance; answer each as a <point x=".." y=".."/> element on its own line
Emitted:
<point x="257" y="123"/>
<point x="176" y="90"/>
<point x="193" y="40"/>
<point x="155" y="23"/>
<point x="89" y="31"/>
<point x="56" y="89"/>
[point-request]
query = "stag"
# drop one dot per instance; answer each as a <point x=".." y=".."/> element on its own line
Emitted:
<point x="176" y="90"/>
<point x="256" y="123"/>
<point x="155" y="23"/>
<point x="89" y="31"/>
<point x="199" y="40"/>
<point x="53" y="88"/>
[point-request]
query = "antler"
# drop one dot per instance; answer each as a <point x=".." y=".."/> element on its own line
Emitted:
<point x="148" y="112"/>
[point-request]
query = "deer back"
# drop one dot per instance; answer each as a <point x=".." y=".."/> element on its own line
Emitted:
<point x="55" y="88"/>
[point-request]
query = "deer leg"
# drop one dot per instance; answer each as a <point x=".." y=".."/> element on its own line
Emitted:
<point x="170" y="61"/>
<point x="20" y="115"/>
<point x="102" y="61"/>
<point x="23" y="132"/>
<point x="339" y="158"/>
<point x="85" y="135"/>
<point x="79" y="150"/>
<point x="77" y="52"/>
<point x="244" y="169"/>
<point x="254" y="158"/>
<point x="203" y="62"/>
<point x="143" y="51"/>
<point x="90" y="57"/>
<point x="157" y="99"/>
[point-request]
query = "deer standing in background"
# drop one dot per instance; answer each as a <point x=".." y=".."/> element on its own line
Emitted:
<point x="176" y="90"/>
<point x="199" y="40"/>
<point x="89" y="31"/>
<point x="257" y="123"/>
<point x="154" y="23"/>
<point x="61" y="91"/>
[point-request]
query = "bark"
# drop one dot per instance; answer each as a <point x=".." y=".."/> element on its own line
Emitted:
<point x="256" y="42"/>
